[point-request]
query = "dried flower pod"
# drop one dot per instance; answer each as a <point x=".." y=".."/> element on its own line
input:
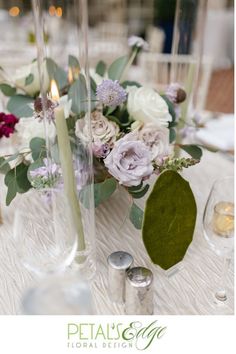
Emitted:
<point x="181" y="96"/>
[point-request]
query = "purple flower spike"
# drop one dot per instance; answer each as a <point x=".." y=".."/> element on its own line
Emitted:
<point x="110" y="93"/>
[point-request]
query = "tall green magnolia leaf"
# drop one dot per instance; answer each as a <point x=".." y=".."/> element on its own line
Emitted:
<point x="116" y="69"/>
<point x="169" y="220"/>
<point x="193" y="150"/>
<point x="7" y="90"/>
<point x="19" y="106"/>
<point x="38" y="148"/>
<point x="136" y="216"/>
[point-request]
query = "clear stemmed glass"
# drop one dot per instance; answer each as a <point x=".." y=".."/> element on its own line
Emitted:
<point x="46" y="241"/>
<point x="218" y="227"/>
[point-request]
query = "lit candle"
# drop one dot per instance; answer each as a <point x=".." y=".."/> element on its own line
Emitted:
<point x="223" y="219"/>
<point x="67" y="166"/>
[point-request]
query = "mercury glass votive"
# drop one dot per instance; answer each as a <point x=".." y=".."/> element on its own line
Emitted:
<point x="223" y="219"/>
<point x="138" y="291"/>
<point x="118" y="263"/>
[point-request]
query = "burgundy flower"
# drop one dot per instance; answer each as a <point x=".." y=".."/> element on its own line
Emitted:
<point x="7" y="124"/>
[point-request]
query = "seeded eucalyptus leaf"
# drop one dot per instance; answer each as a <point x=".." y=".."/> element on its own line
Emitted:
<point x="130" y="83"/>
<point x="19" y="106"/>
<point x="170" y="107"/>
<point x="7" y="90"/>
<point x="56" y="73"/>
<point x="78" y="94"/>
<point x="101" y="68"/>
<point x="4" y="162"/>
<point x="193" y="150"/>
<point x="93" y="86"/>
<point x="36" y="164"/>
<point x="135" y="188"/>
<point x="172" y="135"/>
<point x="169" y="220"/>
<point x="104" y="190"/>
<point x="38" y="148"/>
<point x="23" y="184"/>
<point x="116" y="69"/>
<point x="4" y="165"/>
<point x="29" y="79"/>
<point x="114" y="119"/>
<point x="73" y="62"/>
<point x="140" y="193"/>
<point x="136" y="216"/>
<point x="11" y="183"/>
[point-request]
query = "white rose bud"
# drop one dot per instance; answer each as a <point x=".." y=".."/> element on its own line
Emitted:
<point x="146" y="105"/>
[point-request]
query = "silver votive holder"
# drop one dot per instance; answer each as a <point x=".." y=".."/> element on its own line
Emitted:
<point x="118" y="263"/>
<point x="139" y="292"/>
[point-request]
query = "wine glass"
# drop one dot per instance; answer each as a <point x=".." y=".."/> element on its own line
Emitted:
<point x="218" y="229"/>
<point x="44" y="234"/>
<point x="46" y="243"/>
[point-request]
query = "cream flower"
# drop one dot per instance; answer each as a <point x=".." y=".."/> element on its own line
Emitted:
<point x="29" y="128"/>
<point x="103" y="130"/>
<point x="146" y="105"/>
<point x="155" y="137"/>
<point x="33" y="87"/>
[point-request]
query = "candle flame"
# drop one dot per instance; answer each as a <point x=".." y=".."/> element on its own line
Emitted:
<point x="14" y="11"/>
<point x="54" y="91"/>
<point x="70" y="76"/>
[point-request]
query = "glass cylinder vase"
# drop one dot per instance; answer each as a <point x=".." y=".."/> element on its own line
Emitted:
<point x="64" y="105"/>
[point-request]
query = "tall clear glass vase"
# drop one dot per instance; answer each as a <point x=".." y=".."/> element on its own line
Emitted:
<point x="64" y="106"/>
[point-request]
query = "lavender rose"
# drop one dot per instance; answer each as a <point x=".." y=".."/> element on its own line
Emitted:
<point x="146" y="105"/>
<point x="129" y="161"/>
<point x="155" y="137"/>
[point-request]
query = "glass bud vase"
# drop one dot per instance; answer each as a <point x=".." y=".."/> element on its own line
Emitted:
<point x="64" y="106"/>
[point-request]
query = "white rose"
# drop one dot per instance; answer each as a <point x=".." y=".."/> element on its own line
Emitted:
<point x="146" y="105"/>
<point x="155" y="137"/>
<point x="34" y="86"/>
<point x="29" y="128"/>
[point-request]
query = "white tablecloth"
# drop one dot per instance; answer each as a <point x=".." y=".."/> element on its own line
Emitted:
<point x="177" y="294"/>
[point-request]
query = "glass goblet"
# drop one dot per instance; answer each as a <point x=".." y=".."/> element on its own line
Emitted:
<point x="45" y="239"/>
<point x="218" y="229"/>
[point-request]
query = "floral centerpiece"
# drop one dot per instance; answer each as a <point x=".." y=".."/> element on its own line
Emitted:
<point x="133" y="132"/>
